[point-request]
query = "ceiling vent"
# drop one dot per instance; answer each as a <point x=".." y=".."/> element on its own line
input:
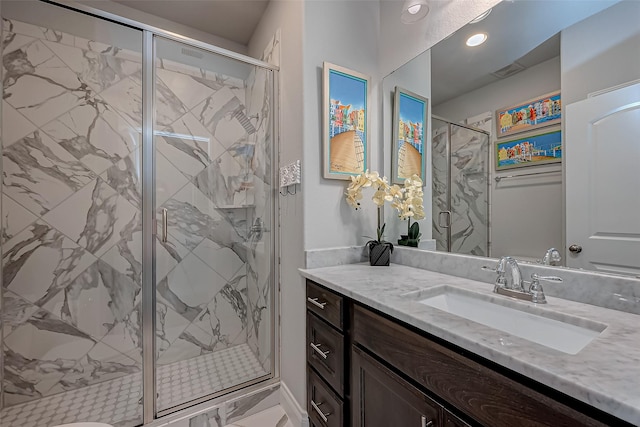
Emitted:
<point x="508" y="71"/>
<point x="192" y="53"/>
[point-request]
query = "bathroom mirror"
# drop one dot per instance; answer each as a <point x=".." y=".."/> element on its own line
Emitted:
<point x="589" y="51"/>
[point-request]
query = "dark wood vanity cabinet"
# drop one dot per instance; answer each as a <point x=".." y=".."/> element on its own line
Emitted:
<point x="386" y="374"/>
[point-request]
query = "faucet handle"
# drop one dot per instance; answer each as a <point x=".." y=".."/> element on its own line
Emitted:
<point x="537" y="278"/>
<point x="535" y="288"/>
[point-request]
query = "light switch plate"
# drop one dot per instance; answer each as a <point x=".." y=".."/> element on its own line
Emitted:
<point x="290" y="174"/>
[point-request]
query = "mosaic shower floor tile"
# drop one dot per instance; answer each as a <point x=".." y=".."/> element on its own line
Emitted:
<point x="118" y="402"/>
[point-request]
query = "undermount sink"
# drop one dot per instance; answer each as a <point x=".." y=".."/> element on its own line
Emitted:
<point x="555" y="330"/>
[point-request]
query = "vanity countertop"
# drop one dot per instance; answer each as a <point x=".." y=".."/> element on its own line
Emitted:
<point x="605" y="374"/>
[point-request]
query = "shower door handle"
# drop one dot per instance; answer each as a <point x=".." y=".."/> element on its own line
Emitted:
<point x="447" y="224"/>
<point x="165" y="225"/>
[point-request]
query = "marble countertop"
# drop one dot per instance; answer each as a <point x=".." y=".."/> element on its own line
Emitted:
<point x="605" y="374"/>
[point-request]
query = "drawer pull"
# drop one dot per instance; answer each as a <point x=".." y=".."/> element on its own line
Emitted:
<point x="316" y="348"/>
<point x="316" y="407"/>
<point x="426" y="423"/>
<point x="315" y="302"/>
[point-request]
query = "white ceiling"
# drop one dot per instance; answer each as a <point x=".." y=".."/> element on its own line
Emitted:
<point x="233" y="20"/>
<point x="522" y="31"/>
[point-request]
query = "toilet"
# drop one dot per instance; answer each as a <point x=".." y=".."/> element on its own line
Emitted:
<point x="85" y="425"/>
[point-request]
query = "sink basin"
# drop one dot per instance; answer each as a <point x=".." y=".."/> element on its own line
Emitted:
<point x="555" y="330"/>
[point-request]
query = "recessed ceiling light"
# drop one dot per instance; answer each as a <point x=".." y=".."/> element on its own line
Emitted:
<point x="414" y="11"/>
<point x="477" y="39"/>
<point x="481" y="17"/>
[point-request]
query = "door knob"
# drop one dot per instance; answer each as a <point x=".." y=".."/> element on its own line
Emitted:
<point x="576" y="249"/>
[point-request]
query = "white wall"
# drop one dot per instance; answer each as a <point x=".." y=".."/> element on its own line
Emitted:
<point x="529" y="207"/>
<point x="591" y="47"/>
<point x="415" y="76"/>
<point x="288" y="17"/>
<point x="399" y="43"/>
<point x="344" y="33"/>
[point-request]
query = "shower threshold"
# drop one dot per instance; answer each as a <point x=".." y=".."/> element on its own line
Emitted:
<point x="117" y="401"/>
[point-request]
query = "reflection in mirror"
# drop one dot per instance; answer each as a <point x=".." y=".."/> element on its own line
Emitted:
<point x="587" y="50"/>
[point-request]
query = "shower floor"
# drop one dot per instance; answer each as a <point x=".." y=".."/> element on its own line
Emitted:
<point x="117" y="401"/>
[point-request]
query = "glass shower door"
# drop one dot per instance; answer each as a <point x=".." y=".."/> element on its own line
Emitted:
<point x="460" y="165"/>
<point x="213" y="144"/>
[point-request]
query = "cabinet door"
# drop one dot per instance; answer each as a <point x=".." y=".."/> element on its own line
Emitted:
<point x="382" y="399"/>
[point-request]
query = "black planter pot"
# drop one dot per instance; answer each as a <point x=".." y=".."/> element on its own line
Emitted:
<point x="379" y="253"/>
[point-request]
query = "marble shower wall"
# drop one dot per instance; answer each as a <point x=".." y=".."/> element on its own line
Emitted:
<point x="468" y="186"/>
<point x="71" y="233"/>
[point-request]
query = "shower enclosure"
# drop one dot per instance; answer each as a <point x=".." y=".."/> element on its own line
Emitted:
<point x="460" y="164"/>
<point x="137" y="219"/>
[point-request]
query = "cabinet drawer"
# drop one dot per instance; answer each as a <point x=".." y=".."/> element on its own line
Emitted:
<point x="325" y="304"/>
<point x="325" y="408"/>
<point x="479" y="392"/>
<point x="325" y="352"/>
<point x="451" y="420"/>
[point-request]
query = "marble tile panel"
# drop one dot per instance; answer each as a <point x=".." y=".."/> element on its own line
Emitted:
<point x="168" y="255"/>
<point x="126" y="336"/>
<point x="15" y="312"/>
<point x="35" y="31"/>
<point x="12" y="41"/>
<point x="106" y="49"/>
<point x="38" y="354"/>
<point x="14" y="125"/>
<point x="188" y="145"/>
<point x="126" y="255"/>
<point x="40" y="261"/>
<point x="94" y="134"/>
<point x="126" y="178"/>
<point x="95" y="217"/>
<point x="95" y="300"/>
<point x="98" y="71"/>
<point x="190" y="91"/>
<point x="222" y="259"/>
<point x="191" y="343"/>
<point x="169" y="180"/>
<point x="193" y="217"/>
<point x="189" y="287"/>
<point x="225" y="317"/>
<point x="169" y="325"/>
<point x="102" y="363"/>
<point x="14" y="218"/>
<point x="39" y="174"/>
<point x="216" y="113"/>
<point x="126" y="98"/>
<point x="254" y="403"/>
<point x="272" y="417"/>
<point x="225" y="182"/>
<point x="39" y="85"/>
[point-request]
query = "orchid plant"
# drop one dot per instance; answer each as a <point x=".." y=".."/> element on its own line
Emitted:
<point x="408" y="201"/>
<point x="382" y="194"/>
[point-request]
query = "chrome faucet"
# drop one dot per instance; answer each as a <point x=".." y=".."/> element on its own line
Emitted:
<point x="552" y="257"/>
<point x="509" y="281"/>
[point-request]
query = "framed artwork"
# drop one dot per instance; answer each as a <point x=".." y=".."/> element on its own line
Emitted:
<point x="408" y="155"/>
<point x="545" y="110"/>
<point x="533" y="150"/>
<point x="346" y="122"/>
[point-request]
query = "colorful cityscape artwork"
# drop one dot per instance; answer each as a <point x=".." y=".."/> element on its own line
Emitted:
<point x="533" y="150"/>
<point x="542" y="111"/>
<point x="410" y="118"/>
<point x="346" y="96"/>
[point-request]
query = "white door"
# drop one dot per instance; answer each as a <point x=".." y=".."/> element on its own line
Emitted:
<point x="602" y="172"/>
